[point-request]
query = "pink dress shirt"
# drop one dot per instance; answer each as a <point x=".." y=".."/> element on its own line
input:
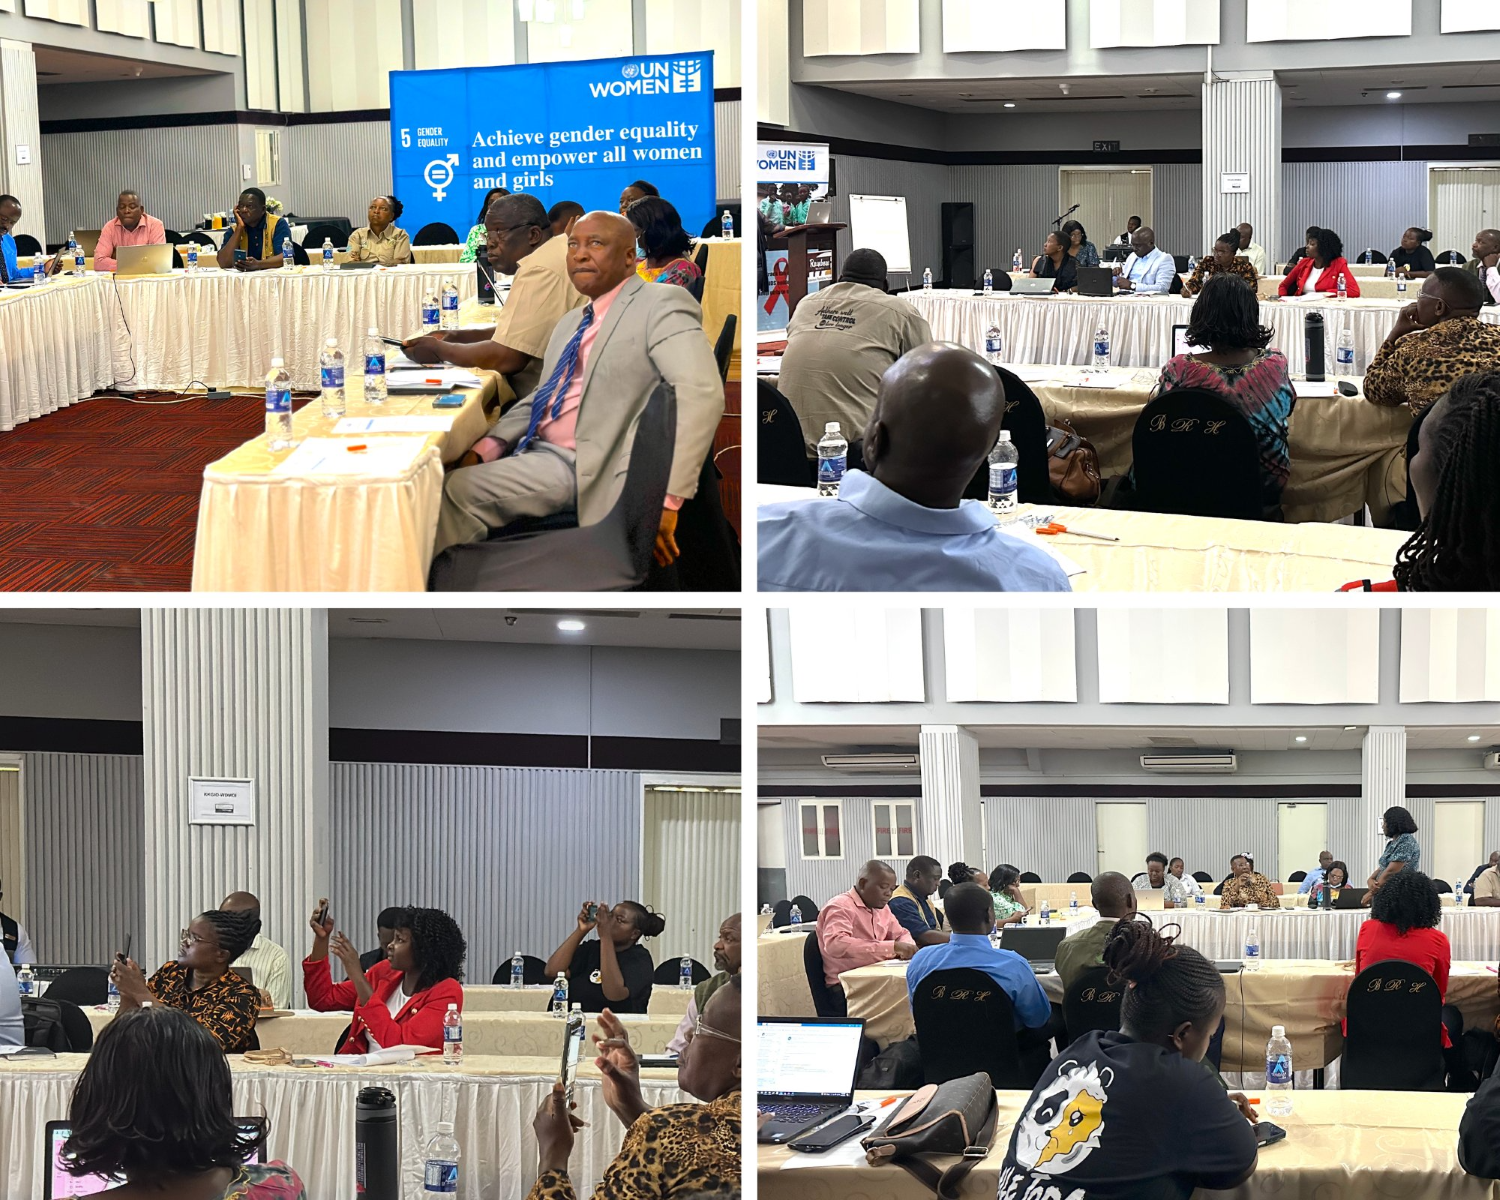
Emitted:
<point x="852" y="934"/>
<point x="148" y="232"/>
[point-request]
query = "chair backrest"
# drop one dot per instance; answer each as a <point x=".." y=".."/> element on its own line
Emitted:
<point x="1027" y="424"/>
<point x="695" y="289"/>
<point x="668" y="972"/>
<point x="1296" y="877"/>
<point x="701" y="258"/>
<point x="1080" y="877"/>
<point x="827" y="1001"/>
<point x="1371" y="256"/>
<point x="200" y="237"/>
<point x="809" y="909"/>
<point x="1442" y="885"/>
<point x="1203" y="877"/>
<point x="1453" y="258"/>
<point x="76" y="1025"/>
<point x="42" y="1024"/>
<point x="1196" y="454"/>
<point x="1092" y="1002"/>
<point x="299" y="255"/>
<point x="1394" y="1033"/>
<point x="724" y="347"/>
<point x="26" y="244"/>
<point x="781" y="914"/>
<point x="1030" y="877"/>
<point x="435" y="233"/>
<point x="81" y="985"/>
<point x="1219" y="887"/>
<point x="999" y="279"/>
<point x="1180" y="261"/>
<point x="173" y="237"/>
<point x="316" y="234"/>
<point x="533" y="970"/>
<point x="966" y="1023"/>
<point x="780" y="450"/>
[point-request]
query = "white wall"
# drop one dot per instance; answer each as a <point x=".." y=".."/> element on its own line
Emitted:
<point x="73" y="672"/>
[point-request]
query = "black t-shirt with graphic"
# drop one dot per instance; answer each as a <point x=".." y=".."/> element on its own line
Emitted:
<point x="583" y="979"/>
<point x="1115" y="1119"/>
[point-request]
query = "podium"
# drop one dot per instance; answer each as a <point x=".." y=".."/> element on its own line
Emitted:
<point x="799" y="241"/>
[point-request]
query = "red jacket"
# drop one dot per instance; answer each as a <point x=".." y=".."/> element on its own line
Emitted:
<point x="1427" y="948"/>
<point x="1328" y="281"/>
<point x="419" y="1022"/>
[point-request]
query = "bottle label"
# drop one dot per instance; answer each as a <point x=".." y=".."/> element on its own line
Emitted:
<point x="1101" y="349"/>
<point x="440" y="1177"/>
<point x="453" y="1033"/>
<point x="831" y="469"/>
<point x="1002" y="478"/>
<point x="1279" y="1069"/>
<point x="993" y="345"/>
<point x="333" y="377"/>
<point x="451" y="301"/>
<point x="278" y="401"/>
<point x="1252" y="951"/>
<point x="374" y="364"/>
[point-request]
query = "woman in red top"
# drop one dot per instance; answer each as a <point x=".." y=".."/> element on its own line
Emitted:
<point x="402" y="1000"/>
<point x="1322" y="271"/>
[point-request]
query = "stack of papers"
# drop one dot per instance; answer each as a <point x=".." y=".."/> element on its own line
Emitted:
<point x="426" y="379"/>
<point x="357" y="425"/>
<point x="375" y="1058"/>
<point x="1306" y="390"/>
<point x="336" y="456"/>
<point x="768" y="364"/>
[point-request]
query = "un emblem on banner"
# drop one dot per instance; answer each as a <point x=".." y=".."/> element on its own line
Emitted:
<point x="630" y="70"/>
<point x="687" y="76"/>
<point x="439" y="175"/>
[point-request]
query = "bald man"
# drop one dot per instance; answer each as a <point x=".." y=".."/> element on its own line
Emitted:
<point x="270" y="965"/>
<point x="1114" y="898"/>
<point x="902" y="523"/>
<point x="1435" y="341"/>
<point x="1250" y="248"/>
<point x="1484" y="263"/>
<point x="567" y="450"/>
<point x="858" y="929"/>
<point x="1148" y="271"/>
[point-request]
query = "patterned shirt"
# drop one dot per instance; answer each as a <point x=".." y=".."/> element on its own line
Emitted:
<point x="679" y="1150"/>
<point x="1402" y="849"/>
<point x="1249" y="888"/>
<point x="684" y="272"/>
<point x="1418" y="368"/>
<point x="1086" y="254"/>
<point x="226" y="1008"/>
<point x="478" y="237"/>
<point x="390" y="247"/>
<point x="1209" y="265"/>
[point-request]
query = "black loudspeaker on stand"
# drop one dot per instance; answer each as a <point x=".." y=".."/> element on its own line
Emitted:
<point x="377" y="1146"/>
<point x="958" y="245"/>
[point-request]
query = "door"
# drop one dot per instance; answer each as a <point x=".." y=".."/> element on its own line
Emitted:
<point x="690" y="867"/>
<point x="1461" y="200"/>
<point x="1301" y="835"/>
<point x="1105" y="199"/>
<point x="771" y="853"/>
<point x="12" y="838"/>
<point x="1122" y="837"/>
<point x="1457" y="840"/>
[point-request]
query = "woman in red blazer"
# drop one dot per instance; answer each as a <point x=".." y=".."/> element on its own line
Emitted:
<point x="1328" y="260"/>
<point x="402" y="1000"/>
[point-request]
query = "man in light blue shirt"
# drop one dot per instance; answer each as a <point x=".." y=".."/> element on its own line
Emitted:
<point x="1317" y="874"/>
<point x="10" y="269"/>
<point x="902" y="525"/>
<point x="12" y="1025"/>
<point x="1148" y="271"/>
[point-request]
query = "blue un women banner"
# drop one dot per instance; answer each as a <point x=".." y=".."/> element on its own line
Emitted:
<point x="560" y="131"/>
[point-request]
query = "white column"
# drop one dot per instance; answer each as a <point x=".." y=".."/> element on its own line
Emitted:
<point x="1242" y="133"/>
<point x="1382" y="786"/>
<point x="951" y="818"/>
<point x="21" y="135"/>
<point x="235" y="694"/>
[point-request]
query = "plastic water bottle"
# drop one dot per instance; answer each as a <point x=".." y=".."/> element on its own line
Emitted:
<point x="1252" y="948"/>
<point x="1343" y="288"/>
<point x="766" y="910"/>
<point x="450" y="303"/>
<point x="989" y="282"/>
<point x="833" y="457"/>
<point x="685" y="973"/>
<point x="288" y="261"/>
<point x="1192" y="264"/>
<point x="994" y="345"/>
<point x="80" y="262"/>
<point x="430" y="312"/>
<point x="1003" y="463"/>
<point x="279" y="407"/>
<point x="440" y="1171"/>
<point x="726" y="225"/>
<point x="1101" y="349"/>
<point x="453" y="1037"/>
<point x="1458" y="895"/>
<point x="112" y="998"/>
<point x="327" y="254"/>
<point x="1016" y="261"/>
<point x="374" y="367"/>
<point x="1073" y="904"/>
<point x="927" y="279"/>
<point x="995" y="934"/>
<point x="1400" y="287"/>
<point x="796" y="915"/>
<point x="1200" y="900"/>
<point x="26" y="980"/>
<point x="517" y="970"/>
<point x="192" y="258"/>
<point x="1046" y="913"/>
<point x="1279" y="1072"/>
<point x="560" y="996"/>
<point x="331" y="376"/>
<point x="1390" y="265"/>
<point x="1344" y="355"/>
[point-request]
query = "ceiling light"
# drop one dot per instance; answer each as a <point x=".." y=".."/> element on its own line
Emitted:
<point x="1350" y="728"/>
<point x="1393" y="95"/>
<point x="1301" y="737"/>
<point x="368" y="621"/>
<point x="571" y="626"/>
<point x="1473" y="737"/>
<point x="1010" y="104"/>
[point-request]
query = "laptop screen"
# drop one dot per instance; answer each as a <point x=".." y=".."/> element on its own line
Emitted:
<point x="807" y="1058"/>
<point x="60" y="1183"/>
<point x="1180" y="343"/>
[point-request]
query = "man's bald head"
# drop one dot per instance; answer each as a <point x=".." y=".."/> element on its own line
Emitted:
<point x="601" y="253"/>
<point x="936" y="419"/>
<point x="1449" y="292"/>
<point x="877" y="880"/>
<point x="1113" y="896"/>
<point x="241" y="902"/>
<point x="867" y="267"/>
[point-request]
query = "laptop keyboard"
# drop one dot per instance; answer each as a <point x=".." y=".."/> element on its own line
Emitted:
<point x="797" y="1112"/>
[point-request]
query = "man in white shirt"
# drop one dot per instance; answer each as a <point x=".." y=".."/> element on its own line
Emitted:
<point x="270" y="965"/>
<point x="1148" y="271"/>
<point x="1250" y="249"/>
<point x="14" y="940"/>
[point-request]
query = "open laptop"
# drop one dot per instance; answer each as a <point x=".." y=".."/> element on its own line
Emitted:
<point x="87" y="239"/>
<point x="819" y="212"/>
<point x="1096" y="281"/>
<point x="1024" y="285"/>
<point x="805" y="1072"/>
<point x="57" y="1183"/>
<point x="1037" y="944"/>
<point x="1351" y="897"/>
<point x="1181" y="345"/>
<point x="143" y="260"/>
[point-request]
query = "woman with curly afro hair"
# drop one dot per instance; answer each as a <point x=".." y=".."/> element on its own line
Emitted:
<point x="400" y="1000"/>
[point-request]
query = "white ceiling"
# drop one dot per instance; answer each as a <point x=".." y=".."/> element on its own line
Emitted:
<point x="54" y="65"/>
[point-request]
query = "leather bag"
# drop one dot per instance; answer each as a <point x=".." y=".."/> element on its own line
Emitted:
<point x="956" y="1117"/>
<point x="1072" y="465"/>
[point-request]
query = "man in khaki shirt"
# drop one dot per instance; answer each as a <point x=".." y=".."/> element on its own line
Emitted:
<point x="840" y="341"/>
<point x="1487" y="886"/>
<point x="1114" y="899"/>
<point x="521" y="244"/>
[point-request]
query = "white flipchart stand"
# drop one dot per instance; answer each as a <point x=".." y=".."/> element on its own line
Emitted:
<point x="879" y="223"/>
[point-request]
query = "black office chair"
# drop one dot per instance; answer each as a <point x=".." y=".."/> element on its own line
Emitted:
<point x="701" y="258"/>
<point x="533" y="970"/>
<point x="1219" y="887"/>
<point x="695" y="289"/>
<point x="56" y="1025"/>
<point x="710" y="549"/>
<point x="715" y="225"/>
<point x="201" y="238"/>
<point x="1393" y="1040"/>
<point x="436" y="233"/>
<point x="299" y="255"/>
<point x="172" y="236"/>
<point x="1442" y="886"/>
<point x="75" y="1024"/>
<point x="669" y="971"/>
<point x="966" y="1023"/>
<point x="781" y="914"/>
<point x="1372" y="256"/>
<point x="809" y="909"/>
<point x="999" y="279"/>
<point x="559" y="555"/>
<point x="1296" y="877"/>
<point x="1080" y="877"/>
<point x="1174" y="285"/>
<point x="1403" y="514"/>
<point x="81" y="985"/>
<point x="316" y="234"/>
<point x="828" y="1003"/>
<point x="26" y="244"/>
<point x="1203" y="877"/>
<point x="1027" y="424"/>
<point x="724" y="347"/>
<point x="781" y="453"/>
<point x="1030" y="877"/>
<point x="1194" y="454"/>
<point x="1092" y="1002"/>
<point x="1452" y="258"/>
<point x="177" y="264"/>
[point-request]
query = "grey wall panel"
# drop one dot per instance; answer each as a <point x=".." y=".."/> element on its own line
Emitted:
<point x="925" y="187"/>
<point x="1366" y="203"/>
<point x="820" y="879"/>
<point x="1013" y="207"/>
<point x="44" y="664"/>
<point x="1206" y="833"/>
<point x="1241" y="132"/>
<point x="690" y="868"/>
<point x="20" y="126"/>
<point x="1054" y="836"/>
<point x="727" y="149"/>
<point x="1177" y="198"/>
<point x="335" y="170"/>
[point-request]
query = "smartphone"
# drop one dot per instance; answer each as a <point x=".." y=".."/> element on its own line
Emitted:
<point x="829" y="1136"/>
<point x="323" y="915"/>
<point x="1266" y="1133"/>
<point x="124" y="955"/>
<point x="593" y="912"/>
<point x="571" y="1051"/>
<point x="396" y="342"/>
<point x="450" y="401"/>
<point x="240" y="256"/>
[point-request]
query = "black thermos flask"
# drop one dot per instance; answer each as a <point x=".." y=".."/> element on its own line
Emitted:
<point x="377" y="1148"/>
<point x="1314" y="340"/>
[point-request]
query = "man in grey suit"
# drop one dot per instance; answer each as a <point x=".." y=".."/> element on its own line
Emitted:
<point x="567" y="448"/>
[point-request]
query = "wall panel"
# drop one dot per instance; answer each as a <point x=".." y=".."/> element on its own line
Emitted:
<point x="1314" y="656"/>
<point x="176" y="22"/>
<point x="1009" y="654"/>
<point x="685" y="26"/>
<point x="887" y="668"/>
<point x="970" y="25"/>
<point x="338" y="80"/>
<point x="260" y="55"/>
<point x="221" y="24"/>
<point x="1144" y="656"/>
<point x="860" y="27"/>
<point x="690" y="868"/>
<point x="607" y="32"/>
<point x="1365" y="203"/>
<point x="1053" y="837"/>
<point x="1450" y="655"/>
<point x="463" y="33"/>
<point x="131" y="18"/>
<point x="819" y="879"/>
<point x="291" y="86"/>
<point x="20" y="126"/>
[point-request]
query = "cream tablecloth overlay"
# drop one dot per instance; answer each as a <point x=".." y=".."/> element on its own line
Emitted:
<point x="666" y="1001"/>
<point x="491" y="1102"/>
<point x="1339" y="1145"/>
<point x="782" y="988"/>
<point x="1307" y="933"/>
<point x="57" y="346"/>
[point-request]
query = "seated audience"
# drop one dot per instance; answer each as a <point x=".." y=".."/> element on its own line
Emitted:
<point x="1479" y="1131"/>
<point x="1251" y="249"/>
<point x="1131" y="225"/>
<point x="1247" y="886"/>
<point x="638" y="190"/>
<point x="1084" y="252"/>
<point x="1490" y="864"/>
<point x="131" y="225"/>
<point x="1148" y="271"/>
<point x="400" y="1001"/>
<point x="726" y="967"/>
<point x="154" y="1105"/>
<point x="1412" y="258"/>
<point x="623" y="966"/>
<point x="1239" y="367"/>
<point x="1182" y="890"/>
<point x="840" y="342"/>
<point x="541" y="294"/>
<point x="664" y="244"/>
<point x="382" y="240"/>
<point x="1155" y="874"/>
<point x="1094" y="1125"/>
<point x="1484" y="263"/>
<point x="910" y="904"/>
<point x="1435" y="341"/>
<point x="1114" y="899"/>
<point x="15" y="942"/>
<point x="563" y="214"/>
<point x="12" y="1025"/>
<point x="1321" y="270"/>
<point x="479" y="231"/>
<point x="1401" y="851"/>
<point x="961" y="872"/>
<point x="269" y="964"/>
<point x="385" y="933"/>
<point x="677" y="1152"/>
<point x="254" y="244"/>
<point x="857" y="927"/>
<point x="1056" y="264"/>
<point x="199" y="980"/>
<point x="1317" y="874"/>
<point x="1225" y="259"/>
<point x="902" y="523"/>
<point x="1305" y="251"/>
<point x="1337" y="877"/>
<point x="1004" y="884"/>
<point x="630" y="338"/>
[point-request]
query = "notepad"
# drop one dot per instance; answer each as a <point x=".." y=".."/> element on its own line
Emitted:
<point x="332" y="456"/>
<point x="358" y="425"/>
<point x="1307" y="390"/>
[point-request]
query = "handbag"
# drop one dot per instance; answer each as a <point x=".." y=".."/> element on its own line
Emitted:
<point x="956" y="1117"/>
<point x="1072" y="464"/>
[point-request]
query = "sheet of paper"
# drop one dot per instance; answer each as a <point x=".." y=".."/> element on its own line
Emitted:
<point x="1090" y="380"/>
<point x="770" y="335"/>
<point x="375" y="1058"/>
<point x="1034" y="374"/>
<point x="358" y="425"/>
<point x="456" y="376"/>
<point x="1306" y="390"/>
<point x="767" y="364"/>
<point x="332" y="456"/>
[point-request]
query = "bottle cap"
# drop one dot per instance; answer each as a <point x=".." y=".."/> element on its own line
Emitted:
<point x="333" y="341"/>
<point x="445" y="1126"/>
<point x="831" y="427"/>
<point x="1005" y="435"/>
<point x="1278" y="1031"/>
<point x="277" y="362"/>
<point x="373" y="332"/>
<point x="453" y="1008"/>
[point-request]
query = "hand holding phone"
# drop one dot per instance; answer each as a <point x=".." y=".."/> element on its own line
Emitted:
<point x="124" y="955"/>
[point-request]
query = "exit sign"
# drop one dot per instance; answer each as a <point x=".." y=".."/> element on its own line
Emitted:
<point x="1106" y="147"/>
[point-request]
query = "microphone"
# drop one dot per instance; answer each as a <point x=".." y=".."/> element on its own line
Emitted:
<point x="1065" y="215"/>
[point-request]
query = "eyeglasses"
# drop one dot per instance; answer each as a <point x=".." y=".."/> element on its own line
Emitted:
<point x="512" y="229"/>
<point x="702" y="1030"/>
<point x="189" y="938"/>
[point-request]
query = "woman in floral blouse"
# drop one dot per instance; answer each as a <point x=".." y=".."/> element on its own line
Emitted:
<point x="1400" y="851"/>
<point x="1005" y="887"/>
<point x="664" y="243"/>
<point x="1247" y="886"/>
<point x="478" y="235"/>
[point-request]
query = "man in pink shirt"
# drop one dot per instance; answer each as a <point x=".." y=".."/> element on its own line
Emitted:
<point x="858" y="928"/>
<point x="130" y="226"/>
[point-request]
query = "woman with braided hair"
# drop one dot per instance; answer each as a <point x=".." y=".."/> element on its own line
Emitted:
<point x="1095" y="1124"/>
<point x="199" y="980"/>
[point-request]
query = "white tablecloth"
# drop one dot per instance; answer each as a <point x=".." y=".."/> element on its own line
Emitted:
<point x="311" y="1114"/>
<point x="1303" y="933"/>
<point x="57" y="346"/>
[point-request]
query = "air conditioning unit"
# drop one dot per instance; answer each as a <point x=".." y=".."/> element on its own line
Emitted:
<point x="872" y="762"/>
<point x="1492" y="760"/>
<point x="1191" y="764"/>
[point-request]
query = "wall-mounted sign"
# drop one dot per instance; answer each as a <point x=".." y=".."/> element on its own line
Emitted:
<point x="791" y="162"/>
<point x="221" y="801"/>
<point x="1234" y="181"/>
<point x="1106" y="147"/>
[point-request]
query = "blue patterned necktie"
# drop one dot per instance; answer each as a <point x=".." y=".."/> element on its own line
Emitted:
<point x="557" y="382"/>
